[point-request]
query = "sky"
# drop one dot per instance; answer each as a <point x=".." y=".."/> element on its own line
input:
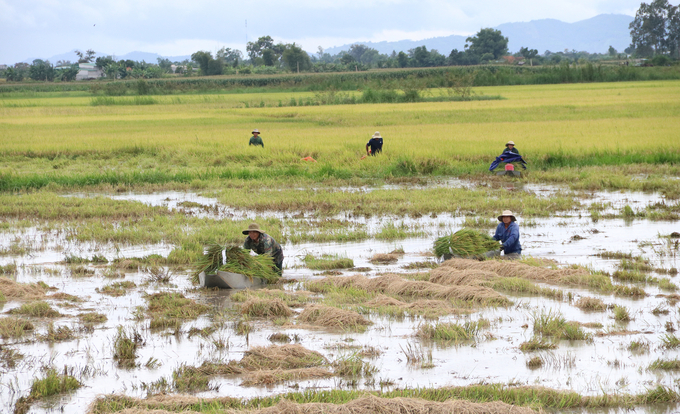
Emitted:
<point x="44" y="28"/>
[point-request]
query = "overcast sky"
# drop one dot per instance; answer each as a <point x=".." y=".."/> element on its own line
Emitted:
<point x="44" y="28"/>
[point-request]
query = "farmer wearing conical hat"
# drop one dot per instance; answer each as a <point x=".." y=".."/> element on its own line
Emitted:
<point x="510" y="147"/>
<point x="375" y="144"/>
<point x="256" y="139"/>
<point x="262" y="243"/>
<point x="508" y="233"/>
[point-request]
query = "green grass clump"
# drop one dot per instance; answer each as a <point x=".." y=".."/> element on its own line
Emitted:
<point x="62" y="333"/>
<point x="39" y="309"/>
<point x="536" y="344"/>
<point x="92" y="317"/>
<point x="670" y="341"/>
<point x="125" y="346"/>
<point x="621" y="314"/>
<point x="451" y="332"/>
<point x="327" y="262"/>
<point x="638" y="347"/>
<point x="535" y="362"/>
<point x="11" y="327"/>
<point x="465" y="243"/>
<point x="238" y="261"/>
<point x="117" y="288"/>
<point x="590" y="304"/>
<point x="190" y="379"/>
<point x="353" y="366"/>
<point x="665" y="364"/>
<point x="554" y="325"/>
<point x="174" y="305"/>
<point x="53" y="383"/>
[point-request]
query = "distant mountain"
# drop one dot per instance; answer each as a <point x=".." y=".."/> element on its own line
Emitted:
<point x="593" y="35"/>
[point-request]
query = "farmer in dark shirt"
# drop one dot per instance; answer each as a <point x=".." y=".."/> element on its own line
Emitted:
<point x="255" y="139"/>
<point x="510" y="147"/>
<point x="262" y="243"/>
<point x="375" y="144"/>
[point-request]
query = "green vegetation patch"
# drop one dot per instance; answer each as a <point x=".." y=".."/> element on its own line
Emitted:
<point x="39" y="309"/>
<point x="12" y="327"/>
<point x="465" y="243"/>
<point x="327" y="262"/>
<point x="238" y="261"/>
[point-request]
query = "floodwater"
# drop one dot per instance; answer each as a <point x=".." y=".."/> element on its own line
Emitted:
<point x="589" y="368"/>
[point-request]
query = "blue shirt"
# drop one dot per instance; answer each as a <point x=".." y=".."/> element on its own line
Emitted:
<point x="509" y="237"/>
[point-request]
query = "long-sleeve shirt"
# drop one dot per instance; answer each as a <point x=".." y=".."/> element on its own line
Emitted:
<point x="265" y="244"/>
<point x="509" y="237"/>
<point x="256" y="140"/>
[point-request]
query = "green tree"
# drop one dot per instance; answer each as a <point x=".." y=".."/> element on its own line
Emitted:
<point x="528" y="54"/>
<point x="69" y="74"/>
<point x="295" y="58"/>
<point x="269" y="57"/>
<point x="41" y="70"/>
<point x="86" y="57"/>
<point x="254" y="49"/>
<point x="487" y="41"/>
<point x="402" y="59"/>
<point x="103" y="62"/>
<point x="612" y="51"/>
<point x="203" y="59"/>
<point x="165" y="65"/>
<point x="655" y="29"/>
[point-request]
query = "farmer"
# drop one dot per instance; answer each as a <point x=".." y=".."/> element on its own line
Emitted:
<point x="508" y="233"/>
<point x="510" y="147"/>
<point x="255" y="139"/>
<point x="262" y="243"/>
<point x="376" y="143"/>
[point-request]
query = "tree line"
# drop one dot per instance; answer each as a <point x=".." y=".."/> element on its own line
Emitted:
<point x="655" y="33"/>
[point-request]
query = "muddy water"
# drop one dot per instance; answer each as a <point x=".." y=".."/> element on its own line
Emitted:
<point x="603" y="365"/>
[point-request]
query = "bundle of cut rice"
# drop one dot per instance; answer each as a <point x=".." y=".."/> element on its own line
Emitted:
<point x="238" y="260"/>
<point x="465" y="243"/>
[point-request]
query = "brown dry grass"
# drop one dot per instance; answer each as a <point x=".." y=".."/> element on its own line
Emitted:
<point x="367" y="404"/>
<point x="423" y="307"/>
<point x="384" y="258"/>
<point x="331" y="317"/>
<point x="446" y="275"/>
<point x="23" y="291"/>
<point x="395" y="285"/>
<point x="591" y="304"/>
<point x="265" y="308"/>
<point x="270" y="377"/>
<point x="506" y="268"/>
<point x="287" y="357"/>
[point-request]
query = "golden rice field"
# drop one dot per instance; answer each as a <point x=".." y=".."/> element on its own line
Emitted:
<point x="580" y="119"/>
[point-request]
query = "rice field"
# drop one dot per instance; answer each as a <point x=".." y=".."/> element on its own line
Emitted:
<point x="105" y="210"/>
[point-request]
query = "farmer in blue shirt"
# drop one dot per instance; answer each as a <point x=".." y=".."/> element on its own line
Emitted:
<point x="508" y="233"/>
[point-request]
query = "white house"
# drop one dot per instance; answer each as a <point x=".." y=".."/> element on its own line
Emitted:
<point x="88" y="71"/>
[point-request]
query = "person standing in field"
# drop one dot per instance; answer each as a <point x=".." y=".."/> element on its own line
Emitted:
<point x="256" y="139"/>
<point x="375" y="144"/>
<point x="508" y="233"/>
<point x="510" y="147"/>
<point x="262" y="243"/>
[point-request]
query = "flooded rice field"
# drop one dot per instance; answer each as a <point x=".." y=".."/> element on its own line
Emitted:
<point x="619" y="347"/>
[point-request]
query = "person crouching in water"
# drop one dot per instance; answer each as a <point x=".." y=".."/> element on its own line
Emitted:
<point x="376" y="143"/>
<point x="508" y="233"/>
<point x="262" y="243"/>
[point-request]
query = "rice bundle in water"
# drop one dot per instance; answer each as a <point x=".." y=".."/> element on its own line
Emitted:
<point x="465" y="243"/>
<point x="238" y="261"/>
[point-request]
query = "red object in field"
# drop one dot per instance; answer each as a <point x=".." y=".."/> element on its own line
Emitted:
<point x="509" y="167"/>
